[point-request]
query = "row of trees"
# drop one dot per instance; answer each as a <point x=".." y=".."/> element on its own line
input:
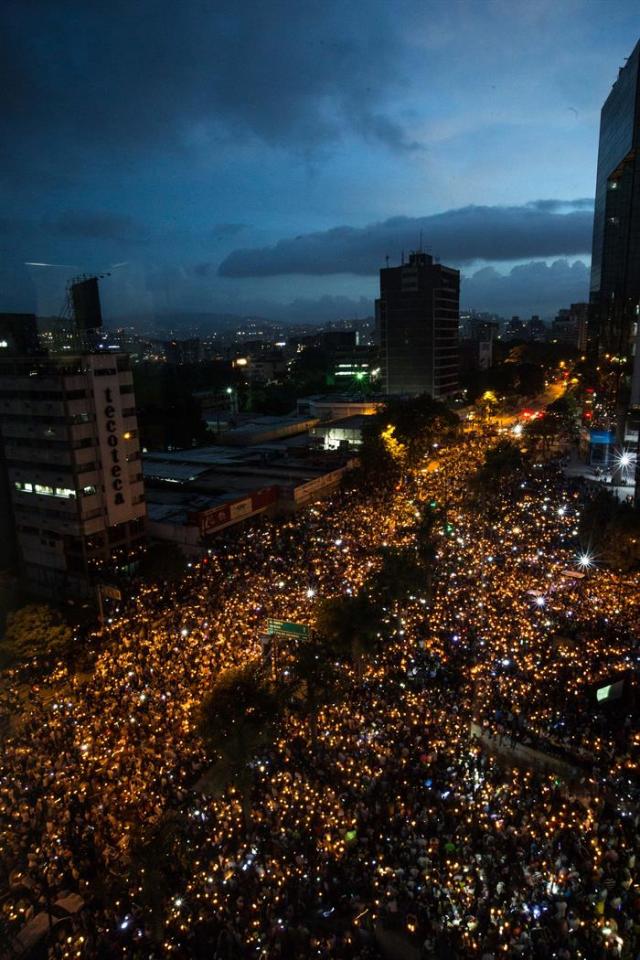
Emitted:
<point x="35" y="632"/>
<point x="503" y="464"/>
<point x="610" y="532"/>
<point x="239" y="713"/>
<point x="558" y="425"/>
<point x="398" y="437"/>
<point x="518" y="370"/>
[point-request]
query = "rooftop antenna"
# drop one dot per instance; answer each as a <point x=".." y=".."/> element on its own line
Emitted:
<point x="420" y="247"/>
<point x="402" y="258"/>
<point x="387" y="259"/>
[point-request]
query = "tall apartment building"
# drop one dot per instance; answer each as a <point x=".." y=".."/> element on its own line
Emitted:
<point x="570" y="325"/>
<point x="417" y="319"/>
<point x="72" y="461"/>
<point x="615" y="261"/>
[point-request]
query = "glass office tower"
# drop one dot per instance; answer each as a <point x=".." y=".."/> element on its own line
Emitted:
<point x="615" y="268"/>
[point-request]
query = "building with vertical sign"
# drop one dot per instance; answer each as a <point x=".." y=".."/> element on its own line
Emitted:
<point x="72" y="462"/>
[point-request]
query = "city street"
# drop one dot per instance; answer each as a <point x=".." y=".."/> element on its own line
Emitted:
<point x="395" y="819"/>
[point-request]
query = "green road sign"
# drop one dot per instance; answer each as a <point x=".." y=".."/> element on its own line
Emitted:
<point x="288" y="629"/>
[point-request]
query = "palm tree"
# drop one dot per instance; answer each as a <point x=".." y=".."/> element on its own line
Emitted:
<point x="349" y="624"/>
<point x="235" y="718"/>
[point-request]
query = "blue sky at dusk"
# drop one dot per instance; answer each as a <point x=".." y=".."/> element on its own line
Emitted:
<point x="264" y="157"/>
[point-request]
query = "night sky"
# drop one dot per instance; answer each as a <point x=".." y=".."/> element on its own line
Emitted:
<point x="264" y="157"/>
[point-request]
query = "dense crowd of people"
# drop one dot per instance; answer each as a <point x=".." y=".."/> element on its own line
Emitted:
<point x="395" y="822"/>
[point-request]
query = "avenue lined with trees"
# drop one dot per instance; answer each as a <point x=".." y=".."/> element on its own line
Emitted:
<point x="208" y="799"/>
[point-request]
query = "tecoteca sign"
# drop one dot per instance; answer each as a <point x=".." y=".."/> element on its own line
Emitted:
<point x="113" y="442"/>
<point x="108" y="406"/>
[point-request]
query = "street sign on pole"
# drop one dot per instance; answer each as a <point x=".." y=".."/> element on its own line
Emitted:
<point x="111" y="592"/>
<point x="287" y="628"/>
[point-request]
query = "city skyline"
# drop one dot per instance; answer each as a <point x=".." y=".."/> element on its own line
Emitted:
<point x="275" y="176"/>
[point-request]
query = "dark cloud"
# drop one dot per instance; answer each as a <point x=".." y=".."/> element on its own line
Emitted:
<point x="534" y="287"/>
<point x="222" y="231"/>
<point x="561" y="206"/>
<point x="78" y="76"/>
<point x="456" y="236"/>
<point x="526" y="289"/>
<point x="319" y="309"/>
<point x="94" y="225"/>
<point x="530" y="288"/>
<point x="204" y="269"/>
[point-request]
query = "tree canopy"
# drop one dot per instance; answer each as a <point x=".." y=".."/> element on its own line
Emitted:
<point x="36" y="631"/>
<point x="501" y="463"/>
<point x="400" y="576"/>
<point x="237" y="709"/>
<point x="163" y="561"/>
<point x="610" y="531"/>
<point x="350" y="625"/>
<point x="400" y="434"/>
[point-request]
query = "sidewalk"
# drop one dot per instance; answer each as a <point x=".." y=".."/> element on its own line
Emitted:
<point x="578" y="468"/>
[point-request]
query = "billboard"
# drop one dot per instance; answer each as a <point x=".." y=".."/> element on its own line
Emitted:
<point x="601" y="437"/>
<point x="85" y="298"/>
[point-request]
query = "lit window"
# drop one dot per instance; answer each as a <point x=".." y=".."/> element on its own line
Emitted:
<point x="23" y="487"/>
<point x="88" y="491"/>
<point x="43" y="490"/>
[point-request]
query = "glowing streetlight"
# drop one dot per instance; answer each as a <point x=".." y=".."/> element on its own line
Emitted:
<point x="585" y="560"/>
<point x="624" y="459"/>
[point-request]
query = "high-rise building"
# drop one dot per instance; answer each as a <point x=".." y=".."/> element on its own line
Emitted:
<point x="615" y="261"/>
<point x="72" y="462"/>
<point x="417" y="318"/>
<point x="70" y="469"/>
<point x="536" y="329"/>
<point x="570" y="325"/>
<point x="515" y="329"/>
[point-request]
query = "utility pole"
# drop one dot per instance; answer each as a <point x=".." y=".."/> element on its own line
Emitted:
<point x="100" y="607"/>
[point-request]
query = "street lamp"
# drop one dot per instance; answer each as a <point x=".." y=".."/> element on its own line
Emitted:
<point x="585" y="560"/>
<point x="624" y="459"/>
